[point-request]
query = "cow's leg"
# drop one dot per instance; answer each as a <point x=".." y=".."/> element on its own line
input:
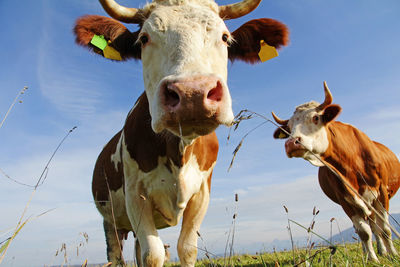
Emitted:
<point x="382" y="206"/>
<point x="386" y="234"/>
<point x="138" y="253"/>
<point x="376" y="228"/>
<point x="364" y="232"/>
<point x="387" y="237"/>
<point x="139" y="257"/>
<point x="192" y="218"/>
<point x="140" y="214"/>
<point x="114" y="242"/>
<point x="355" y="211"/>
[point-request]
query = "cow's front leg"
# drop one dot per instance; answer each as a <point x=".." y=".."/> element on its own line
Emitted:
<point x="192" y="218"/>
<point x="364" y="232"/>
<point x="140" y="214"/>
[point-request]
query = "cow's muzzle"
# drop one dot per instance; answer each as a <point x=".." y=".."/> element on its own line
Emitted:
<point x="294" y="148"/>
<point x="195" y="105"/>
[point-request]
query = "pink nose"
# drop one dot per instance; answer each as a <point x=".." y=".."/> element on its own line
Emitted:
<point x="191" y="95"/>
<point x="292" y="145"/>
<point x="194" y="104"/>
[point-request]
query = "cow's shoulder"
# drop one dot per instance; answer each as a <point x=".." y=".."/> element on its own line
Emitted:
<point x="143" y="145"/>
<point x="205" y="149"/>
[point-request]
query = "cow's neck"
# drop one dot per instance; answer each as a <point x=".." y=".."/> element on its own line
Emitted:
<point x="343" y="153"/>
<point x="144" y="145"/>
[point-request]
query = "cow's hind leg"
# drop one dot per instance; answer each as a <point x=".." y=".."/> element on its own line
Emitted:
<point x="114" y="240"/>
<point x="382" y="206"/>
<point x="138" y="253"/>
<point x="378" y="233"/>
<point x="386" y="233"/>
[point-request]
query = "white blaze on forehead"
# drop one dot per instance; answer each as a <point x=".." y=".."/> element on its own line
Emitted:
<point x="183" y="40"/>
<point x="313" y="136"/>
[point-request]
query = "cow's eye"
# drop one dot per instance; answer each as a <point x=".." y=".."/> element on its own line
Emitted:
<point x="144" y="39"/>
<point x="225" y="37"/>
<point x="315" y="119"/>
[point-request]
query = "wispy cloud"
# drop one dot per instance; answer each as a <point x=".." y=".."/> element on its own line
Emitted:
<point x="57" y="73"/>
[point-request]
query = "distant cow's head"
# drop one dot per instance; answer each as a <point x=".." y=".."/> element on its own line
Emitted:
<point x="184" y="46"/>
<point x="307" y="127"/>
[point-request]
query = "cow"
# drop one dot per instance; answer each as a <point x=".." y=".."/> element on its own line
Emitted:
<point x="157" y="169"/>
<point x="370" y="171"/>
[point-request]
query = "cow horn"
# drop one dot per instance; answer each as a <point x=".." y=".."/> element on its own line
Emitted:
<point x="328" y="97"/>
<point x="278" y="120"/>
<point x="237" y="10"/>
<point x="121" y="13"/>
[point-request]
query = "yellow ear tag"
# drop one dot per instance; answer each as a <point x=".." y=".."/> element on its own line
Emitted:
<point x="281" y="135"/>
<point x="266" y="51"/>
<point x="111" y="53"/>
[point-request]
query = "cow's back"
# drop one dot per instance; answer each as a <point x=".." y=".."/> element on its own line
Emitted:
<point x="363" y="162"/>
<point x="391" y="169"/>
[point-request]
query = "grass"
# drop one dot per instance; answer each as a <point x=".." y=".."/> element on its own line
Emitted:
<point x="349" y="254"/>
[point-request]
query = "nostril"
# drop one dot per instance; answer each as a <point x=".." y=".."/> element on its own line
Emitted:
<point x="171" y="98"/>
<point x="215" y="94"/>
<point x="297" y="141"/>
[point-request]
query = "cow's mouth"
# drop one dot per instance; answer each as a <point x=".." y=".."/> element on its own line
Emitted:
<point x="296" y="153"/>
<point x="192" y="128"/>
<point x="294" y="148"/>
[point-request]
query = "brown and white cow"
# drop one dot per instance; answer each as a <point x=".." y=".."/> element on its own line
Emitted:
<point x="368" y="167"/>
<point x="158" y="168"/>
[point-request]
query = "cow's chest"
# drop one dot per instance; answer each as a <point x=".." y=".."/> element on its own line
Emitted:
<point x="168" y="187"/>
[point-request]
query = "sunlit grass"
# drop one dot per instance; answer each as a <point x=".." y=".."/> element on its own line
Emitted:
<point x="349" y="254"/>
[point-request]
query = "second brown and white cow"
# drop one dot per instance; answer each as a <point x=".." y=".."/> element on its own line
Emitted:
<point x="158" y="168"/>
<point x="370" y="168"/>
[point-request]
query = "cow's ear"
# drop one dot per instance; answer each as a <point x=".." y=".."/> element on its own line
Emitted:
<point x="116" y="35"/>
<point x="247" y="37"/>
<point x="280" y="134"/>
<point x="330" y="113"/>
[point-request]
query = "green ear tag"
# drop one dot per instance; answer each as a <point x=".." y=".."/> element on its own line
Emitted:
<point x="266" y="51"/>
<point x="99" y="41"/>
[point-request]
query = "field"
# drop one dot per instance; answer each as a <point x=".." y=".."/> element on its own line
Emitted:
<point x="349" y="254"/>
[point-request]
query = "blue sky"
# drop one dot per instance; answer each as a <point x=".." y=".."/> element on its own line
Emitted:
<point x="353" y="45"/>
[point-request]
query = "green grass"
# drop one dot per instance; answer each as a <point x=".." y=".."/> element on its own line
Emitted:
<point x="345" y="255"/>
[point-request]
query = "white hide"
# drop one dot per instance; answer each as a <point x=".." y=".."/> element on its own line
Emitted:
<point x="357" y="202"/>
<point x="362" y="226"/>
<point x="168" y="192"/>
<point x="116" y="157"/>
<point x="182" y="46"/>
<point x="313" y="136"/>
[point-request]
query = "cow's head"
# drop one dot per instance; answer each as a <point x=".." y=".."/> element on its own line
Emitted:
<point x="184" y="46"/>
<point x="307" y="127"/>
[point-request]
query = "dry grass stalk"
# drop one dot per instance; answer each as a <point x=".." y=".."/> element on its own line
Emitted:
<point x="12" y="105"/>
<point x="231" y="236"/>
<point x="22" y="222"/>
<point x="290" y="234"/>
